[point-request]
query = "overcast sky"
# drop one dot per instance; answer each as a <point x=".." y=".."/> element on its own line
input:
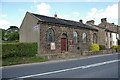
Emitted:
<point x="13" y="13"/>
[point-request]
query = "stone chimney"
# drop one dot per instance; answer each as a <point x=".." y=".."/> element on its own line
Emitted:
<point x="113" y="23"/>
<point x="103" y="20"/>
<point x="81" y="21"/>
<point x="90" y="22"/>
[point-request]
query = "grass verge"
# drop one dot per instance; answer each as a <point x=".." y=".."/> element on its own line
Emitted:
<point x="21" y="60"/>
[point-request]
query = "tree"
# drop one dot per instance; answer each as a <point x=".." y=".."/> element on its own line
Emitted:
<point x="13" y="27"/>
<point x="13" y="36"/>
<point x="2" y="33"/>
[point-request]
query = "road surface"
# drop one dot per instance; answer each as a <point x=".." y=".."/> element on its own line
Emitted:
<point x="100" y="66"/>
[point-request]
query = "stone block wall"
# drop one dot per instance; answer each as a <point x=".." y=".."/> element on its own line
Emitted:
<point x="59" y="30"/>
<point x="108" y="51"/>
<point x="68" y="55"/>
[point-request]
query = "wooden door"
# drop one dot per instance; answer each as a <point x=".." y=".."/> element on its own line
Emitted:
<point x="63" y="44"/>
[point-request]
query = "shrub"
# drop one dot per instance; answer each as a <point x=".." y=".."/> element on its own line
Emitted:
<point x="94" y="47"/>
<point x="12" y="36"/>
<point x="16" y="40"/>
<point x="19" y="50"/>
<point x="102" y="47"/>
<point x="116" y="47"/>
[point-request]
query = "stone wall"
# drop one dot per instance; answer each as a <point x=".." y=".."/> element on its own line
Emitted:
<point x="27" y="31"/>
<point x="87" y="53"/>
<point x="101" y="34"/>
<point x="107" y="25"/>
<point x="68" y="55"/>
<point x="59" y="30"/>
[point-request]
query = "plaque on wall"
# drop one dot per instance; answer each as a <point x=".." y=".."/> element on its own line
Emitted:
<point x="36" y="28"/>
<point x="52" y="45"/>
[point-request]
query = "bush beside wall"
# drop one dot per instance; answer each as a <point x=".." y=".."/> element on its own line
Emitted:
<point x="116" y="47"/>
<point x="94" y="47"/>
<point x="19" y="50"/>
<point x="102" y="47"/>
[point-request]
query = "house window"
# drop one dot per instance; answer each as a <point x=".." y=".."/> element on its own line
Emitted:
<point x="110" y="35"/>
<point x="75" y="37"/>
<point x="84" y="37"/>
<point x="106" y="37"/>
<point x="94" y="38"/>
<point x="50" y="35"/>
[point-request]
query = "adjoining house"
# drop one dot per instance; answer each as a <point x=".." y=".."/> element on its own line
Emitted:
<point x="118" y="35"/>
<point x="107" y="32"/>
<point x="55" y="35"/>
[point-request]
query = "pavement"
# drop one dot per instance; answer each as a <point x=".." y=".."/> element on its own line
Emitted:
<point x="99" y="66"/>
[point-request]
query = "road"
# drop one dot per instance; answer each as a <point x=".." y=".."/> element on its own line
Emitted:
<point x="100" y="66"/>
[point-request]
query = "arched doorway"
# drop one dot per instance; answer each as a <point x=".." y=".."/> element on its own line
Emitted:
<point x="64" y="42"/>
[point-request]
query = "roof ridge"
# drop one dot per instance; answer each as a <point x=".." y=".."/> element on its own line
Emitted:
<point x="62" y="21"/>
<point x="54" y="17"/>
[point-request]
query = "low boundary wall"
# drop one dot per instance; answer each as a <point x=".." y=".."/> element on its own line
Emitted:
<point x="67" y="55"/>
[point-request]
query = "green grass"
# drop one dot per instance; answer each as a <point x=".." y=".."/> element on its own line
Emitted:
<point x="21" y="60"/>
<point x="15" y="41"/>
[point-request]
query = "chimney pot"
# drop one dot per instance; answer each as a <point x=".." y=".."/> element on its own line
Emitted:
<point x="81" y="21"/>
<point x="90" y="22"/>
<point x="103" y="20"/>
<point x="55" y="15"/>
<point x="112" y="23"/>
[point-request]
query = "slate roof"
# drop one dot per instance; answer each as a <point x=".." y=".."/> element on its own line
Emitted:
<point x="111" y="31"/>
<point x="62" y="21"/>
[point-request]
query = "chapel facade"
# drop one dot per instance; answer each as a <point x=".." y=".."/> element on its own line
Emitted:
<point x="55" y="35"/>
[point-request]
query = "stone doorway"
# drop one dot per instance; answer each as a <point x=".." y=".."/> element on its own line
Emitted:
<point x="64" y="44"/>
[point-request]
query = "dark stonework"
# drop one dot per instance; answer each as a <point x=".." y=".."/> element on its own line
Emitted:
<point x="59" y="30"/>
<point x="107" y="25"/>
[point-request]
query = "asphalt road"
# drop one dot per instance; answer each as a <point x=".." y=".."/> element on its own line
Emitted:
<point x="105" y="66"/>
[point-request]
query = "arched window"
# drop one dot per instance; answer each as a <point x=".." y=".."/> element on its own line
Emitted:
<point x="94" y="38"/>
<point x="50" y="35"/>
<point x="84" y="37"/>
<point x="75" y="37"/>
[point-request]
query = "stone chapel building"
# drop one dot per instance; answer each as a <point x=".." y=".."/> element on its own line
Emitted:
<point x="55" y="35"/>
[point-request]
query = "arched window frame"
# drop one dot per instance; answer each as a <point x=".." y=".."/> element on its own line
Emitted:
<point x="84" y="37"/>
<point x="94" y="38"/>
<point x="50" y="35"/>
<point x="75" y="37"/>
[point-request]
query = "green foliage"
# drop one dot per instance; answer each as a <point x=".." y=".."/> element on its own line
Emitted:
<point x="12" y="33"/>
<point x="13" y="27"/>
<point x="15" y="41"/>
<point x="2" y="33"/>
<point x="12" y="36"/>
<point x="94" y="47"/>
<point x="21" y="60"/>
<point x="102" y="47"/>
<point x="116" y="47"/>
<point x="19" y="50"/>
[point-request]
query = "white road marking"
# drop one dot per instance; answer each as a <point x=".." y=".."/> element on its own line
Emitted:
<point x="55" y="61"/>
<point x="64" y="70"/>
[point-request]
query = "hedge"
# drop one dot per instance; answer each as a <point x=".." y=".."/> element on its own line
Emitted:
<point x="116" y="47"/>
<point x="19" y="50"/>
<point x="102" y="47"/>
<point x="94" y="47"/>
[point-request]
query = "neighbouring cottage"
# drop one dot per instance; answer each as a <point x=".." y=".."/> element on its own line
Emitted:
<point x="55" y="35"/>
<point x="107" y="32"/>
